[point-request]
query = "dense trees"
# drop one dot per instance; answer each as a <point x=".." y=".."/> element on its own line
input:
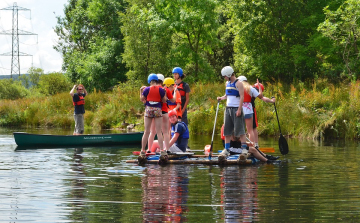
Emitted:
<point x="104" y="42"/>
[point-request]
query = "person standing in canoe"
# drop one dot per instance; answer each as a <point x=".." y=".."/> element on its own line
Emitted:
<point x="165" y="118"/>
<point x="153" y="96"/>
<point x="179" y="134"/>
<point x="170" y="84"/>
<point x="234" y="122"/>
<point x="79" y="109"/>
<point x="184" y="90"/>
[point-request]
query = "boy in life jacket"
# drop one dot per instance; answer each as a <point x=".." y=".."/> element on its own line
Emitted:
<point x="165" y="118"/>
<point x="176" y="106"/>
<point x="179" y="134"/>
<point x="234" y="123"/>
<point x="184" y="90"/>
<point x="79" y="109"/>
<point x="154" y="96"/>
<point x="249" y="93"/>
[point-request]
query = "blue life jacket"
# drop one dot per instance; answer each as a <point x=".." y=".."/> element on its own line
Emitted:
<point x="231" y="89"/>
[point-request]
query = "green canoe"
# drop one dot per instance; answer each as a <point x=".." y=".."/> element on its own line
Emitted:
<point x="23" y="139"/>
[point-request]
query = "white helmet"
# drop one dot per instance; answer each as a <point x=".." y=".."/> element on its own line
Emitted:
<point x="227" y="71"/>
<point x="242" y="78"/>
<point x="160" y="77"/>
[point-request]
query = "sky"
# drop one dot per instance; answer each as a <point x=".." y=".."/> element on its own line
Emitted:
<point x="41" y="20"/>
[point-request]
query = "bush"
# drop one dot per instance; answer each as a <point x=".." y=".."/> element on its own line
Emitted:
<point x="53" y="83"/>
<point x="10" y="89"/>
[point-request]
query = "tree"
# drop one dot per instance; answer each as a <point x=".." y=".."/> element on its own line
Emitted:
<point x="90" y="41"/>
<point x="342" y="27"/>
<point x="272" y="37"/>
<point x="147" y="40"/>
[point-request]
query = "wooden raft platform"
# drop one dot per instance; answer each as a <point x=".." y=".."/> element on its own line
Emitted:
<point x="205" y="162"/>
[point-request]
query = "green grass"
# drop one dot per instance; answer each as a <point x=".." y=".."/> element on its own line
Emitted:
<point x="305" y="110"/>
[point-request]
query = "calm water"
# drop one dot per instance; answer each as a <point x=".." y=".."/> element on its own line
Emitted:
<point x="316" y="182"/>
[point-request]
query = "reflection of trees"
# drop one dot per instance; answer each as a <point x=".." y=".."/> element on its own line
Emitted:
<point x="165" y="193"/>
<point x="78" y="187"/>
<point x="239" y="193"/>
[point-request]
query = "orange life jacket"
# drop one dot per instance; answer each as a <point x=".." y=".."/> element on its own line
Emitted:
<point x="247" y="97"/>
<point x="181" y="89"/>
<point x="81" y="101"/>
<point x="154" y="94"/>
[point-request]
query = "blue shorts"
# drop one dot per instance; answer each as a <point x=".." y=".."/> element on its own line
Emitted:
<point x="247" y="116"/>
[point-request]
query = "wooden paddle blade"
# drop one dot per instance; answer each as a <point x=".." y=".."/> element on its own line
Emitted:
<point x="267" y="149"/>
<point x="283" y="145"/>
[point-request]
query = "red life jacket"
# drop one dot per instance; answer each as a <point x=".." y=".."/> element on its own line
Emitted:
<point x="247" y="97"/>
<point x="81" y="101"/>
<point x="181" y="89"/>
<point x="154" y="94"/>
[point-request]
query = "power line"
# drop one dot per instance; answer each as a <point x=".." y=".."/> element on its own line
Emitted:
<point x="15" y="32"/>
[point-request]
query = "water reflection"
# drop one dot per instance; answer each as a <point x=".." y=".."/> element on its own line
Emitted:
<point x="239" y="193"/>
<point x="165" y="193"/>
<point x="77" y="194"/>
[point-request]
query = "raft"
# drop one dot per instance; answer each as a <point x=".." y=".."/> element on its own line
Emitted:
<point x="198" y="159"/>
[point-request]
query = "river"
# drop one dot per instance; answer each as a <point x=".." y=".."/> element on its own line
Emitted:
<point x="316" y="182"/>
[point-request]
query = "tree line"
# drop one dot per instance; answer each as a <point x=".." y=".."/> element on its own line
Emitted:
<point x="104" y="42"/>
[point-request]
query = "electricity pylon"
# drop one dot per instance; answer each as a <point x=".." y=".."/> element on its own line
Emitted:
<point x="15" y="32"/>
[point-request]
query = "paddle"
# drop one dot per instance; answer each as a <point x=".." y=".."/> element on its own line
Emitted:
<point x="212" y="138"/>
<point x="283" y="145"/>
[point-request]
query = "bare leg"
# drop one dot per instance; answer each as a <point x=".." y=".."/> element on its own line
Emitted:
<point x="151" y="135"/>
<point x="256" y="136"/>
<point x="249" y="127"/>
<point x="158" y="127"/>
<point x="256" y="154"/>
<point x="147" y="123"/>
<point x="165" y="131"/>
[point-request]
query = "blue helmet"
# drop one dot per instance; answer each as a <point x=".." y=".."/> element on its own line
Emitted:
<point x="178" y="70"/>
<point x="152" y="77"/>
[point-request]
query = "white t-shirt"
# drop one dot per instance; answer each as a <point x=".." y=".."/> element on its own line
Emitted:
<point x="247" y="106"/>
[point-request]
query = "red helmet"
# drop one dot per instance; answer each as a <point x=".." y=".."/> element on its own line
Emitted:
<point x="262" y="86"/>
<point x="172" y="112"/>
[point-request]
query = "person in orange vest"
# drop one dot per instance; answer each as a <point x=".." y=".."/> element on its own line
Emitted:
<point x="154" y="96"/>
<point x="249" y="93"/>
<point x="184" y="90"/>
<point x="260" y="88"/>
<point x="79" y="109"/>
<point x="170" y="84"/>
<point x="165" y="117"/>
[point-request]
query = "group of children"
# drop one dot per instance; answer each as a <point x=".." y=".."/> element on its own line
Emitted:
<point x="240" y="112"/>
<point x="165" y="102"/>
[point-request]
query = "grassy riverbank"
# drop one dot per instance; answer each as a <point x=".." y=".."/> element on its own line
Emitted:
<point x="319" y="109"/>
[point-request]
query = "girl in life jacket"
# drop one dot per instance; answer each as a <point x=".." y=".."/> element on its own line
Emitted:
<point x="165" y="118"/>
<point x="169" y="83"/>
<point x="249" y="93"/>
<point x="153" y="96"/>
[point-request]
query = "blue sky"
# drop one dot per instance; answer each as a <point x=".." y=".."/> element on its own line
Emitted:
<point x="41" y="19"/>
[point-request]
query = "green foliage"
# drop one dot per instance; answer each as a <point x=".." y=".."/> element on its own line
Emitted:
<point x="10" y="89"/>
<point x="91" y="42"/>
<point x="342" y="27"/>
<point x="53" y="83"/>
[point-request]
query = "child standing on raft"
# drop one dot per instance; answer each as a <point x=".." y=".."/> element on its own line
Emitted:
<point x="154" y="95"/>
<point x="184" y="90"/>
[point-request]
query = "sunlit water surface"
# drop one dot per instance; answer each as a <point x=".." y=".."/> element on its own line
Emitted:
<point x="315" y="182"/>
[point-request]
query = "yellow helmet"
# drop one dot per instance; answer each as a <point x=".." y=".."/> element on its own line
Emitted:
<point x="169" y="81"/>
